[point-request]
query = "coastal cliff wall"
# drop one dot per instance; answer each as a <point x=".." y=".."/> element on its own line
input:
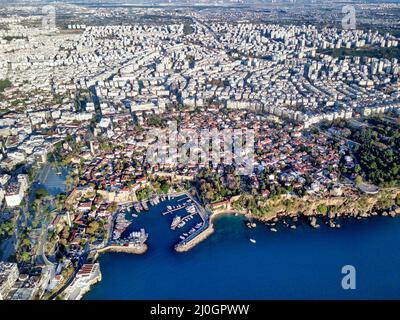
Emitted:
<point x="352" y="204"/>
<point x="356" y="204"/>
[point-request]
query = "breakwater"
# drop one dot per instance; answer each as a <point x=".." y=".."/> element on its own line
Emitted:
<point x="124" y="249"/>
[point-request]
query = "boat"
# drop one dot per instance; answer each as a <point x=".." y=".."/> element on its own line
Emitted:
<point x="138" y="237"/>
<point x="144" y="205"/>
<point x="285" y="224"/>
<point x="252" y="240"/>
<point x="137" y="207"/>
<point x="273" y="230"/>
<point x="181" y="224"/>
<point x="250" y="224"/>
<point x="134" y="215"/>
<point x="191" y="209"/>
<point x="175" y="222"/>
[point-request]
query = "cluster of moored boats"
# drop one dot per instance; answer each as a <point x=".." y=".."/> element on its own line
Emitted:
<point x="177" y="207"/>
<point x="179" y="222"/>
<point x="120" y="225"/>
<point x="138" y="237"/>
<point x="134" y="240"/>
<point x="144" y="205"/>
<point x="140" y="206"/>
<point x="191" y="231"/>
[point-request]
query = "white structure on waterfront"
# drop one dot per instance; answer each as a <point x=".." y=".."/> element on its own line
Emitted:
<point x="8" y="276"/>
<point x="88" y="275"/>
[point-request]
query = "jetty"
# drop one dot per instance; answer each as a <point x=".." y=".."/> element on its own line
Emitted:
<point x="125" y="249"/>
<point x="183" y="199"/>
<point x="173" y="210"/>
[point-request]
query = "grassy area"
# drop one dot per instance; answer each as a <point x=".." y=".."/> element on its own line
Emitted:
<point x="10" y="38"/>
<point x="4" y="83"/>
<point x="388" y="53"/>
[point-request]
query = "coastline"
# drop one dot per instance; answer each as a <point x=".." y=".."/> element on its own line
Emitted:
<point x="89" y="286"/>
<point x="218" y="256"/>
<point x="344" y="210"/>
<point x="350" y="204"/>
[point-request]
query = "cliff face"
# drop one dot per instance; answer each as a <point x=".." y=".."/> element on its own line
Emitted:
<point x="352" y="204"/>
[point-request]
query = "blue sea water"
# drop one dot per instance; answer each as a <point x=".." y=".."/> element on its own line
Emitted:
<point x="305" y="263"/>
<point x="53" y="183"/>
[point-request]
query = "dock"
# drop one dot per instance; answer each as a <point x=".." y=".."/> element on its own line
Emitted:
<point x="172" y="210"/>
<point x="183" y="199"/>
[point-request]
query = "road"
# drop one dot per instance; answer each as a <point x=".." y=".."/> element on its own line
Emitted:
<point x="329" y="135"/>
<point x="41" y="256"/>
<point x="9" y="245"/>
<point x="80" y="262"/>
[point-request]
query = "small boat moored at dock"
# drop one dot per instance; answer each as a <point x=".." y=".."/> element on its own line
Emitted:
<point x="175" y="223"/>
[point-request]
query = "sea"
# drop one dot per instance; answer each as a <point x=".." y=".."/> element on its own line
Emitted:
<point x="302" y="263"/>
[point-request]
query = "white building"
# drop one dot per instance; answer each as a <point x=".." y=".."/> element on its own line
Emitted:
<point x="15" y="192"/>
<point x="8" y="275"/>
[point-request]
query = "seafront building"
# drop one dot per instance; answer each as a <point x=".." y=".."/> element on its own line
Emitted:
<point x="88" y="275"/>
<point x="8" y="276"/>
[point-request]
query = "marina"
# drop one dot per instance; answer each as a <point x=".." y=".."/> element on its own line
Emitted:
<point x="120" y="225"/>
<point x="228" y="254"/>
<point x="190" y="218"/>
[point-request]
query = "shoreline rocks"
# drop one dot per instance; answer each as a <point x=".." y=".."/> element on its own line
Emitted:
<point x="122" y="249"/>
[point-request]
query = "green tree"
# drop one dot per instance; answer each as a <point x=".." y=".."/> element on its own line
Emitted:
<point x="322" y="209"/>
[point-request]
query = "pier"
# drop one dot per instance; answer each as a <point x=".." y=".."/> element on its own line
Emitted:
<point x="125" y="249"/>
<point x="200" y="234"/>
<point x="172" y="210"/>
<point x="183" y="199"/>
<point x="193" y="238"/>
